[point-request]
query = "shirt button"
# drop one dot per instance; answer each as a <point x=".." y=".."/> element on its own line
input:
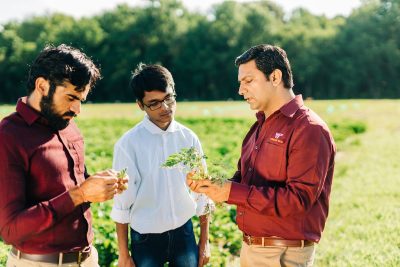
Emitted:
<point x="250" y="169"/>
<point x="256" y="148"/>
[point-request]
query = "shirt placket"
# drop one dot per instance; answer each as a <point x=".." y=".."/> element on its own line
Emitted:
<point x="255" y="150"/>
<point x="85" y="211"/>
<point x="164" y="137"/>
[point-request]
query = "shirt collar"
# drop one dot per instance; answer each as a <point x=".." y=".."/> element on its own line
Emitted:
<point x="290" y="108"/>
<point x="154" y="129"/>
<point x="27" y="113"/>
<point x="260" y="116"/>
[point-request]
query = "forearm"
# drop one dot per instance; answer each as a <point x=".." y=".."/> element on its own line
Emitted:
<point x="122" y="237"/>
<point x="204" y="227"/>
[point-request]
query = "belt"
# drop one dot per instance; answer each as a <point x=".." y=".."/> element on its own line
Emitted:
<point x="275" y="242"/>
<point x="57" y="258"/>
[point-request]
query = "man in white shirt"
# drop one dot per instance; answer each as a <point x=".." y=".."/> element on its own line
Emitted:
<point x="157" y="205"/>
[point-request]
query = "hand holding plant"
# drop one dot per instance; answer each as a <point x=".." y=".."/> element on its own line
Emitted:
<point x="190" y="160"/>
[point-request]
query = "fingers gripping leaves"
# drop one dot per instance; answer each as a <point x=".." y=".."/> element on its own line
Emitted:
<point x="121" y="175"/>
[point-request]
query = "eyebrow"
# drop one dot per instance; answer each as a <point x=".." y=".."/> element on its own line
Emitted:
<point x="159" y="100"/>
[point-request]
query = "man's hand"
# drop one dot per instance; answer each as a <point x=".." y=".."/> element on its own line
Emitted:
<point x="204" y="252"/>
<point x="125" y="261"/>
<point x="99" y="187"/>
<point x="218" y="193"/>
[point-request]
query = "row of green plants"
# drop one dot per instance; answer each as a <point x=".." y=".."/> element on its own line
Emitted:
<point x="221" y="139"/>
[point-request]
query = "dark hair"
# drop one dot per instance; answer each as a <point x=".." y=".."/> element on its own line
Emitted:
<point x="150" y="78"/>
<point x="61" y="63"/>
<point x="269" y="58"/>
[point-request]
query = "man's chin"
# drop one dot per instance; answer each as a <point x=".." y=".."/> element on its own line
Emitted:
<point x="253" y="106"/>
<point x="167" y="116"/>
<point x="60" y="125"/>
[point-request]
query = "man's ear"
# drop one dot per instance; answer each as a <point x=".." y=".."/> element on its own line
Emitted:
<point x="42" y="86"/>
<point x="276" y="77"/>
<point x="140" y="104"/>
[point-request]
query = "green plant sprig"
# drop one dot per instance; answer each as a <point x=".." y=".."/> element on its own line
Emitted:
<point x="121" y="175"/>
<point x="191" y="160"/>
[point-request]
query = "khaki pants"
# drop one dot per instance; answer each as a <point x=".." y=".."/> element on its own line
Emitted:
<point x="260" y="256"/>
<point x="13" y="261"/>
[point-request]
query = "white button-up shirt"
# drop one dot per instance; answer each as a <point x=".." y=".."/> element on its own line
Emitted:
<point x="157" y="199"/>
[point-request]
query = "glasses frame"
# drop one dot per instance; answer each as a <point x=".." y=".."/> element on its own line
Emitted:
<point x="157" y="104"/>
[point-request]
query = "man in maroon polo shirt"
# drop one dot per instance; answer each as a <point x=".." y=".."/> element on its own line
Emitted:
<point x="45" y="191"/>
<point x="285" y="171"/>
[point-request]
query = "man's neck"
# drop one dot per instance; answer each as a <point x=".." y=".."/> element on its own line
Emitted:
<point x="282" y="97"/>
<point x="162" y="126"/>
<point x="33" y="102"/>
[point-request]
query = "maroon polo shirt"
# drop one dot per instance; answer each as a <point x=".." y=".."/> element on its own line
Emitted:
<point x="284" y="175"/>
<point x="38" y="166"/>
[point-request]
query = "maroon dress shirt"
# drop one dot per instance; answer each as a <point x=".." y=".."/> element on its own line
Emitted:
<point x="38" y="166"/>
<point x="284" y="175"/>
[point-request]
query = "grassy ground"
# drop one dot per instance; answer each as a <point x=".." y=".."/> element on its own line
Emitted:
<point x="363" y="227"/>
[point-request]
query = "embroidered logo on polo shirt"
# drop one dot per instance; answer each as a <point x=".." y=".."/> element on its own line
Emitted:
<point x="277" y="138"/>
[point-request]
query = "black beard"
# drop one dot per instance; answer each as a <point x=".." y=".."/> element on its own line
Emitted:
<point x="54" y="120"/>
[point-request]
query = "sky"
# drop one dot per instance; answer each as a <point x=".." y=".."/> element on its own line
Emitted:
<point x="20" y="9"/>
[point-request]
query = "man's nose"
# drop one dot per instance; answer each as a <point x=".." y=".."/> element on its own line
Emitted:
<point x="76" y="107"/>
<point x="164" y="105"/>
<point x="241" y="90"/>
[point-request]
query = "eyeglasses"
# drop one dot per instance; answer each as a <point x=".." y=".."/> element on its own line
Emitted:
<point x="169" y="101"/>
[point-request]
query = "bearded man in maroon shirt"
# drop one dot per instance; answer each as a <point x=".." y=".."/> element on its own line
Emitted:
<point x="45" y="191"/>
<point x="284" y="177"/>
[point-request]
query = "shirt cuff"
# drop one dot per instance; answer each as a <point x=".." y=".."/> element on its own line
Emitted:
<point x="205" y="209"/>
<point x="238" y="194"/>
<point x="120" y="216"/>
<point x="62" y="204"/>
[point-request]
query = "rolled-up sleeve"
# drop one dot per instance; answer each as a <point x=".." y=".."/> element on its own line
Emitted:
<point x="204" y="205"/>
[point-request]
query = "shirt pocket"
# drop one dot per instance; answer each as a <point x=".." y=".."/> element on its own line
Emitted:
<point x="270" y="163"/>
<point x="78" y="154"/>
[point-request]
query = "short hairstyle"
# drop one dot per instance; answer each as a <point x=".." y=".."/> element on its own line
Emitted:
<point x="269" y="58"/>
<point x="61" y="63"/>
<point x="150" y="78"/>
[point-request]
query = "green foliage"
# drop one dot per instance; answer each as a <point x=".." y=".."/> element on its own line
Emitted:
<point x="200" y="48"/>
<point x="191" y="160"/>
<point x="188" y="157"/>
<point x="122" y="173"/>
<point x="346" y="129"/>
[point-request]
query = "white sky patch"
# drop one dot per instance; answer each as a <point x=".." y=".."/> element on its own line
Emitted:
<point x="21" y="9"/>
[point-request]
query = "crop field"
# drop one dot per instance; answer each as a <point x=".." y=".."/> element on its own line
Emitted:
<point x="363" y="227"/>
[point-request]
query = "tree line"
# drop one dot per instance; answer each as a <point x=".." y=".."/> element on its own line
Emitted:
<point x="357" y="56"/>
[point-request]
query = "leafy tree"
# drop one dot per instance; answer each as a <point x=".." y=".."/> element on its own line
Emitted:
<point x="331" y="58"/>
